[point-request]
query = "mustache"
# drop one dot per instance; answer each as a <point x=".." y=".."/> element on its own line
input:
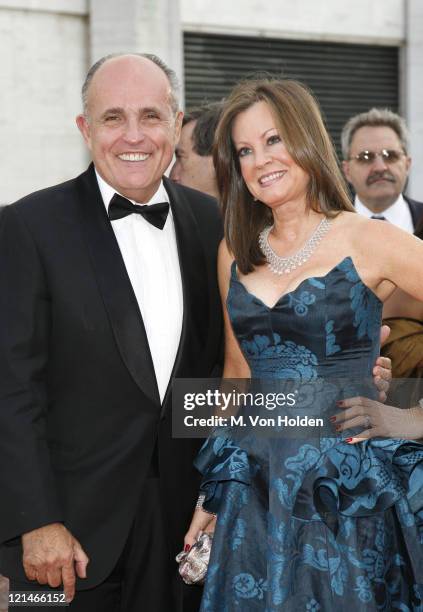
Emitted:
<point x="376" y="176"/>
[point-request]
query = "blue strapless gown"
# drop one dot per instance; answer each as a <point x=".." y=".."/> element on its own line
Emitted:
<point x="320" y="525"/>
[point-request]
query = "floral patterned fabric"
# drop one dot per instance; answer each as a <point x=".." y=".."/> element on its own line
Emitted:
<point x="312" y="524"/>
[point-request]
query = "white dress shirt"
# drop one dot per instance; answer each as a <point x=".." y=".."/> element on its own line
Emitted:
<point x="152" y="262"/>
<point x="398" y="213"/>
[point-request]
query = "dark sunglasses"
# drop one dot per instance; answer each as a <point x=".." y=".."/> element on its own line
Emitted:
<point x="389" y="156"/>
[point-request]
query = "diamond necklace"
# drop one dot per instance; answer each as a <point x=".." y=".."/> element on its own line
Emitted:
<point x="285" y="265"/>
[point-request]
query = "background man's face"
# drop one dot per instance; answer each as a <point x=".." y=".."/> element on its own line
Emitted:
<point x="130" y="130"/>
<point x="378" y="184"/>
<point x="190" y="169"/>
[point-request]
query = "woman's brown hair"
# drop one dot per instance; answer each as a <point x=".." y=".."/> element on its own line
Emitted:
<point x="300" y="124"/>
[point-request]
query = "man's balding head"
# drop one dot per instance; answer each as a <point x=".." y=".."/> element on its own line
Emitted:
<point x="130" y="124"/>
<point x="169" y="73"/>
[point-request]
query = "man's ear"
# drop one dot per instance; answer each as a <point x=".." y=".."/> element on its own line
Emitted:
<point x="84" y="128"/>
<point x="178" y="125"/>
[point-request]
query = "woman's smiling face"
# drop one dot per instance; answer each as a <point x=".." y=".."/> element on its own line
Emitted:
<point x="269" y="172"/>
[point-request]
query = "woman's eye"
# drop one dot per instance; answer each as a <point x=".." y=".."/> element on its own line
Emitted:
<point x="273" y="139"/>
<point x="244" y="151"/>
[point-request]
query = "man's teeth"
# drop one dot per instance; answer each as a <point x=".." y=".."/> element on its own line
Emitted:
<point x="270" y="177"/>
<point x="133" y="156"/>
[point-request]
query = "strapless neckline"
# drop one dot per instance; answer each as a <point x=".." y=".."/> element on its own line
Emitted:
<point x="281" y="299"/>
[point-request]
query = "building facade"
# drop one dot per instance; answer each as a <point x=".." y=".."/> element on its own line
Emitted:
<point x="351" y="54"/>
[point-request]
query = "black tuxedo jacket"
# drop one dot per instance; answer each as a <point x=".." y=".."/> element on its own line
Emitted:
<point x="79" y="406"/>
<point x="416" y="209"/>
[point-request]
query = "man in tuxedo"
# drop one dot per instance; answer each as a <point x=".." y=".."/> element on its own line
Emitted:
<point x="376" y="164"/>
<point x="107" y="292"/>
<point x="194" y="166"/>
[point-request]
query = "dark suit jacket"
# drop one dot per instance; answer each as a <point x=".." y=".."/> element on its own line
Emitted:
<point x="79" y="405"/>
<point x="416" y="209"/>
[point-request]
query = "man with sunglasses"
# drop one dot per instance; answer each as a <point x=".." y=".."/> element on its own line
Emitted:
<point x="376" y="164"/>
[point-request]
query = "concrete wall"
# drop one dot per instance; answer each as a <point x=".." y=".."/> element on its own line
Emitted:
<point x="44" y="59"/>
<point x="73" y="7"/>
<point x="372" y="21"/>
<point x="149" y="26"/>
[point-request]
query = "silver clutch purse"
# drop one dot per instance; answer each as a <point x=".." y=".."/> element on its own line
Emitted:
<point x="193" y="564"/>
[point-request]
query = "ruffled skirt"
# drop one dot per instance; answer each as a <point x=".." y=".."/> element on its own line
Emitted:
<point x="314" y="526"/>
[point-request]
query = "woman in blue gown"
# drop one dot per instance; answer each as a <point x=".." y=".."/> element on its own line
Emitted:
<point x="332" y="521"/>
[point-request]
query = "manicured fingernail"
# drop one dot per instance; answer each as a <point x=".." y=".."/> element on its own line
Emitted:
<point x="349" y="440"/>
<point x="333" y="419"/>
<point x="187" y="548"/>
<point x="339" y="403"/>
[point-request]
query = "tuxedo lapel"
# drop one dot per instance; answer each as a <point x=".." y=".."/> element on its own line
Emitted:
<point x="194" y="285"/>
<point x="116" y="289"/>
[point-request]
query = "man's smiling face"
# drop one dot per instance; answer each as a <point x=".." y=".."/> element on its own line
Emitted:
<point x="130" y="127"/>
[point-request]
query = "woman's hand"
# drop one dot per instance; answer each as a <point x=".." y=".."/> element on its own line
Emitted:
<point x="382" y="376"/>
<point x="378" y="420"/>
<point x="382" y="371"/>
<point x="201" y="521"/>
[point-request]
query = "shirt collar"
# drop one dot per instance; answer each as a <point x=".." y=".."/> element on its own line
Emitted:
<point x="107" y="192"/>
<point x="391" y="213"/>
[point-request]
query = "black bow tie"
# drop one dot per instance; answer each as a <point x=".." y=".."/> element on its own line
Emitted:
<point x="379" y="217"/>
<point x="155" y="214"/>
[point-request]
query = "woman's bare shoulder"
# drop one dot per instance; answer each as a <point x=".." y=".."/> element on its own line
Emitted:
<point x="352" y="219"/>
<point x="224" y="256"/>
<point x="360" y="227"/>
<point x="223" y="250"/>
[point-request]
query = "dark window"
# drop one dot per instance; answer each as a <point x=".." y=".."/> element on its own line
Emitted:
<point x="346" y="78"/>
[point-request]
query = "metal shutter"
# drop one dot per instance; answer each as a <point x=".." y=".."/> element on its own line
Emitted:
<point x="346" y="78"/>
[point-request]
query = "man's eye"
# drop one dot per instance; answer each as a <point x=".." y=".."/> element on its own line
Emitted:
<point x="152" y="116"/>
<point x="273" y="139"/>
<point x="244" y="151"/>
<point x="111" y="118"/>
